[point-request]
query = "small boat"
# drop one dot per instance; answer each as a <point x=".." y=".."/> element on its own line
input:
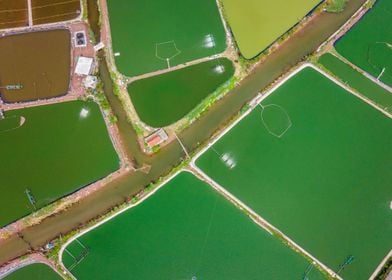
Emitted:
<point x="13" y="87"/>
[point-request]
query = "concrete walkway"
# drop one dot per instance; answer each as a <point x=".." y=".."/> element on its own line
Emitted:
<point x="257" y="218"/>
<point x="174" y="68"/>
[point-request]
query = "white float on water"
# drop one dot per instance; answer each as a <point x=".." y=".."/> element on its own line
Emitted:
<point x="219" y="69"/>
<point x="225" y="157"/>
<point x="84" y="113"/>
<point x="228" y="160"/>
<point x="209" y="41"/>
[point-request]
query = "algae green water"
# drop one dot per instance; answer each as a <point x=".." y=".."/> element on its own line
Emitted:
<point x="369" y="43"/>
<point x="51" y="151"/>
<point x="37" y="271"/>
<point x="326" y="182"/>
<point x="182" y="30"/>
<point x="357" y="81"/>
<point x="185" y="230"/>
<point x="164" y="99"/>
<point x="10" y="123"/>
<point x="256" y="24"/>
<point x="289" y="54"/>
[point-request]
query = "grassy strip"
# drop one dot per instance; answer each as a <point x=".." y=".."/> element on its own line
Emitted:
<point x="386" y="269"/>
<point x="209" y="101"/>
<point x="99" y="95"/>
<point x="84" y="8"/>
<point x="335" y="6"/>
<point x="369" y="4"/>
<point x="357" y="81"/>
<point x="139" y="129"/>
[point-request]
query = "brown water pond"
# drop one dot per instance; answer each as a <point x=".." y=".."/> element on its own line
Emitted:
<point x="13" y="13"/>
<point x="35" y="65"/>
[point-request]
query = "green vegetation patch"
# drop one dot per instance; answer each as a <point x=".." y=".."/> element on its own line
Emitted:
<point x="164" y="99"/>
<point x="37" y="271"/>
<point x="357" y="81"/>
<point x="185" y="230"/>
<point x="256" y="24"/>
<point x="48" y="152"/>
<point x="369" y="43"/>
<point x="385" y="270"/>
<point x="151" y="35"/>
<point x="325" y="182"/>
<point x="336" y="6"/>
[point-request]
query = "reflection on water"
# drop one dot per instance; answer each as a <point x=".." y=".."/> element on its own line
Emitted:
<point x="229" y="160"/>
<point x="84" y="113"/>
<point x="219" y="69"/>
<point x="209" y="41"/>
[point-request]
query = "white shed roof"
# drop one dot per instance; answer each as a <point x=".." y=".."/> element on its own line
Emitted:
<point x="83" y="67"/>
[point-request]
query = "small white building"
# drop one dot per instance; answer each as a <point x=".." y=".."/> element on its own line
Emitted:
<point x="99" y="46"/>
<point x="84" y="66"/>
<point x="90" y="82"/>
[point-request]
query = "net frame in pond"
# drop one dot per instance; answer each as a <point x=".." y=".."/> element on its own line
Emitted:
<point x="78" y="258"/>
<point x="265" y="123"/>
<point x="22" y="121"/>
<point x="382" y="70"/>
<point x="166" y="58"/>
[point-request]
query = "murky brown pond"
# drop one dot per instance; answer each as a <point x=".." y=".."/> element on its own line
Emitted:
<point x="35" y="65"/>
<point x="48" y="11"/>
<point x="13" y="13"/>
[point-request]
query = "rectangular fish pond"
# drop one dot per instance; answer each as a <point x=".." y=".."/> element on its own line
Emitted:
<point x="256" y="24"/>
<point x="315" y="161"/>
<point x="35" y="271"/>
<point x="184" y="231"/>
<point x="35" y="65"/>
<point x="13" y="13"/>
<point x="50" y="11"/>
<point x="369" y="43"/>
<point x="156" y="34"/>
<point x="164" y="99"/>
<point x="48" y="152"/>
<point x="355" y="79"/>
